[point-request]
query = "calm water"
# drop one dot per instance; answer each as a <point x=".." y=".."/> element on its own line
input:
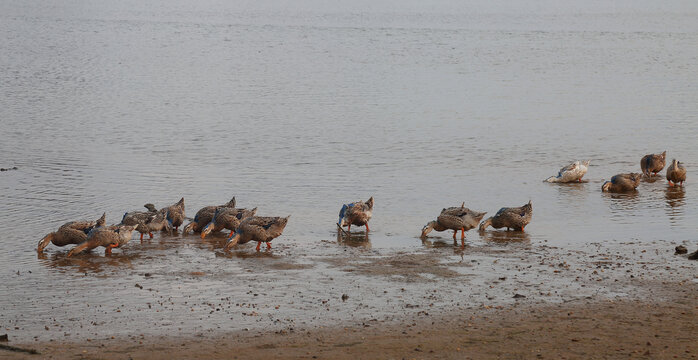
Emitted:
<point x="297" y="108"/>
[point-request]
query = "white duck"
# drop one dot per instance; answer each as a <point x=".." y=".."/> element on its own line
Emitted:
<point x="570" y="173"/>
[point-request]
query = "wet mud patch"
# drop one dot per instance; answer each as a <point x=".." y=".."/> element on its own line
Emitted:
<point x="408" y="267"/>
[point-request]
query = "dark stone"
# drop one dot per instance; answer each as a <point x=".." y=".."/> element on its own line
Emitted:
<point x="693" y="255"/>
<point x="681" y="250"/>
<point x="519" y="296"/>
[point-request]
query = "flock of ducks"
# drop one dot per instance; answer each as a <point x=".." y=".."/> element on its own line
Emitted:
<point x="245" y="226"/>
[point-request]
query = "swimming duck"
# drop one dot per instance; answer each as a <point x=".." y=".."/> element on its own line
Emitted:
<point x="653" y="163"/>
<point x="140" y="219"/>
<point x="622" y="183"/>
<point x="226" y="218"/>
<point x="570" y="173"/>
<point x="174" y="213"/>
<point x="109" y="237"/>
<point x="357" y="213"/>
<point x="511" y="218"/>
<point x="73" y="232"/>
<point x="259" y="229"/>
<point x="204" y="216"/>
<point x="676" y="173"/>
<point x="454" y="218"/>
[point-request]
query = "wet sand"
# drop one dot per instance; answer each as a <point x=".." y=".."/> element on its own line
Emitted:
<point x="501" y="299"/>
<point x="607" y="329"/>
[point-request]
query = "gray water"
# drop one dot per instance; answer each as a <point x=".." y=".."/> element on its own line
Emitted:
<point x="299" y="107"/>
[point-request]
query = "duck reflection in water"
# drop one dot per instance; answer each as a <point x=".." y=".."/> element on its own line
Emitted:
<point x="622" y="201"/>
<point x="503" y="237"/>
<point x="89" y="264"/>
<point x="675" y="200"/>
<point x="356" y="239"/>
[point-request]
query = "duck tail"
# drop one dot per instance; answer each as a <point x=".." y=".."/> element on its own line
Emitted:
<point x="551" y="179"/>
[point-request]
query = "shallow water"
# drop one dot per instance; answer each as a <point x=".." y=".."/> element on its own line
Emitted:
<point x="297" y="109"/>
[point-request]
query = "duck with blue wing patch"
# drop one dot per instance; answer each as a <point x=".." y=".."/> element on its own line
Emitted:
<point x="357" y="213"/>
<point x="227" y="218"/>
<point x="73" y="232"/>
<point x="204" y="216"/>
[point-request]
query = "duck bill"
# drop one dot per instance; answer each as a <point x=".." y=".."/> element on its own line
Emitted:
<point x="206" y="230"/>
<point x="232" y="241"/>
<point x="43" y="243"/>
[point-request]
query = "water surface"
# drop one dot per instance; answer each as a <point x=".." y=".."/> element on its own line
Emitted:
<point x="298" y="108"/>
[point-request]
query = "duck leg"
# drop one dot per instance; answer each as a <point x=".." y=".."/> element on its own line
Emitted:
<point x="462" y="233"/>
<point x="349" y="228"/>
<point x="268" y="245"/>
<point x="107" y="251"/>
<point x="141" y="236"/>
<point x="259" y="243"/>
<point x="454" y="234"/>
<point x="150" y="234"/>
<point x="367" y="229"/>
<point x="671" y="183"/>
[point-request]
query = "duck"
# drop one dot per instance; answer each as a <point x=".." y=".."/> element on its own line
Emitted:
<point x="174" y="214"/>
<point x="357" y="213"/>
<point x="454" y="218"/>
<point x="570" y="173"/>
<point x="204" y="216"/>
<point x="510" y="217"/>
<point x="676" y="173"/>
<point x="72" y="232"/>
<point x="653" y="163"/>
<point x="109" y="237"/>
<point x="141" y="219"/>
<point x="227" y="218"/>
<point x="258" y="228"/>
<point x="622" y="183"/>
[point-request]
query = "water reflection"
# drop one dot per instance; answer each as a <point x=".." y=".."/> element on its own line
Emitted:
<point x="89" y="262"/>
<point x="357" y="239"/>
<point x="622" y="202"/>
<point x="675" y="200"/>
<point x="245" y="253"/>
<point x="575" y="189"/>
<point x="503" y="236"/>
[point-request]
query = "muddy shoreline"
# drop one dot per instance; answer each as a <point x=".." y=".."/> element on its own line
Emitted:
<point x="579" y="329"/>
<point x="492" y="299"/>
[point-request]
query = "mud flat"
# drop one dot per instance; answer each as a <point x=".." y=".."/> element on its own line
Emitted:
<point x="510" y="300"/>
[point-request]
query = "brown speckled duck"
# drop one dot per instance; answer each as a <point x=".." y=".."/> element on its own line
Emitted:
<point x="653" y="163"/>
<point x="227" y="218"/>
<point x="622" y="183"/>
<point x="454" y="218"/>
<point x="258" y="228"/>
<point x="109" y="237"/>
<point x="357" y="213"/>
<point x="174" y="214"/>
<point x="74" y="232"/>
<point x="141" y="219"/>
<point x="511" y="218"/>
<point x="676" y="173"/>
<point x="204" y="216"/>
